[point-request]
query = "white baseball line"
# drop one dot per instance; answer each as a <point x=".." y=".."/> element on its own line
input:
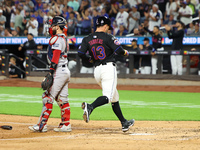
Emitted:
<point x="78" y="135"/>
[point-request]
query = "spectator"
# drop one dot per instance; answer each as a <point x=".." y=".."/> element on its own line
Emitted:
<point x="14" y="33"/>
<point x="25" y="32"/>
<point x="135" y="2"/>
<point x="71" y="22"/>
<point x="170" y="21"/>
<point x="115" y="28"/>
<point x="45" y="8"/>
<point x="19" y="31"/>
<point x="29" y="5"/>
<point x="145" y="59"/>
<point x="136" y="32"/>
<point x="21" y="10"/>
<point x="7" y="13"/>
<point x="18" y="20"/>
<point x="94" y="19"/>
<point x="7" y="32"/>
<point x="154" y="16"/>
<point x="86" y="23"/>
<point x="177" y="44"/>
<point x="114" y="10"/>
<point x="133" y="19"/>
<point x="58" y="7"/>
<point x="122" y="31"/>
<point x="46" y="18"/>
<point x="170" y="9"/>
<point x="32" y="26"/>
<point x="196" y="32"/>
<point x="38" y="5"/>
<point x="136" y="57"/>
<point x="14" y="69"/>
<point x="103" y="12"/>
<point x="191" y="29"/>
<point x="26" y="18"/>
<point x="121" y="17"/>
<point x="98" y="6"/>
<point x="126" y="5"/>
<point x="1" y="31"/>
<point x="161" y="5"/>
<point x="74" y="4"/>
<point x="192" y="7"/>
<point x="142" y="8"/>
<point x="2" y="19"/>
<point x="66" y="11"/>
<point x="185" y="13"/>
<point x="84" y="5"/>
<point x="30" y="44"/>
<point x="38" y="14"/>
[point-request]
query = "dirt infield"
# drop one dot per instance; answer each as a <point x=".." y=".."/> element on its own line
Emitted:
<point x="107" y="135"/>
<point x="100" y="135"/>
<point x="26" y="83"/>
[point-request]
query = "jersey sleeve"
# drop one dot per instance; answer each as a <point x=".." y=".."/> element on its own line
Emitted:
<point x="115" y="45"/>
<point x="83" y="49"/>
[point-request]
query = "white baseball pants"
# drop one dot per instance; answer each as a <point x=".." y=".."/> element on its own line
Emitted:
<point x="176" y="64"/>
<point x="106" y="77"/>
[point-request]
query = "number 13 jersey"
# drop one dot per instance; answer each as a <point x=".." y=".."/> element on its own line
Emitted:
<point x="102" y="47"/>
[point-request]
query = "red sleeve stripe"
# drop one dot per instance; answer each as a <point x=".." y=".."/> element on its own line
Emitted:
<point x="56" y="56"/>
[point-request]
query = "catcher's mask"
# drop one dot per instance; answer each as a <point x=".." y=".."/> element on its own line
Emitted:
<point x="57" y="20"/>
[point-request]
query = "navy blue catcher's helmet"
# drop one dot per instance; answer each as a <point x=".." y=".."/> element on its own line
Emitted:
<point x="57" y="20"/>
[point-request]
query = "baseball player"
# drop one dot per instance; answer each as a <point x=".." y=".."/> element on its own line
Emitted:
<point x="102" y="48"/>
<point x="177" y="44"/>
<point x="157" y="45"/>
<point x="57" y="55"/>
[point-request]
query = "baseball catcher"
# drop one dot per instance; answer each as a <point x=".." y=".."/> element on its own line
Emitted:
<point x="56" y="81"/>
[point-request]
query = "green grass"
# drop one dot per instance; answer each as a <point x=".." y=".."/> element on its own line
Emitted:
<point x="140" y="105"/>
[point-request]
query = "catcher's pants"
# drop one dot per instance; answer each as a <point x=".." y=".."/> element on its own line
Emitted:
<point x="106" y="77"/>
<point x="60" y="84"/>
<point x="176" y="64"/>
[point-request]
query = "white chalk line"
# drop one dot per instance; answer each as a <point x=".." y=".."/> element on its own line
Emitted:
<point x="75" y="102"/>
<point x="78" y="135"/>
<point x="45" y="137"/>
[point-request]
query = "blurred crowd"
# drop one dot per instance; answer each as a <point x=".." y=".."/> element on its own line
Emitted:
<point x="20" y="17"/>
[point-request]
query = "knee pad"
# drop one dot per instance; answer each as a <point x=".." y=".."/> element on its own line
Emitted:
<point x="47" y="99"/>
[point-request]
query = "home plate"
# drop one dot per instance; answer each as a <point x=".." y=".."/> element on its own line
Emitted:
<point x="141" y="134"/>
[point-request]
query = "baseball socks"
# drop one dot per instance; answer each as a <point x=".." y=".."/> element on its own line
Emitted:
<point x="101" y="100"/>
<point x="117" y="110"/>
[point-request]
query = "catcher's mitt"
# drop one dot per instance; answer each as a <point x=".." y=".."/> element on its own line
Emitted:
<point x="47" y="82"/>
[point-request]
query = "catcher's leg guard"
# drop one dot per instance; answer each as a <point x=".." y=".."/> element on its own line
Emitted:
<point x="65" y="112"/>
<point x="46" y="110"/>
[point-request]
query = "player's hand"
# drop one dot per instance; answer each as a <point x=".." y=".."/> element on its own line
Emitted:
<point x="153" y="53"/>
<point x="91" y="60"/>
<point x="193" y="49"/>
<point x="167" y="27"/>
<point x="126" y="53"/>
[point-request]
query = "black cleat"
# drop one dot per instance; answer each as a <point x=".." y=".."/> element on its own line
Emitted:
<point x="86" y="111"/>
<point x="127" y="124"/>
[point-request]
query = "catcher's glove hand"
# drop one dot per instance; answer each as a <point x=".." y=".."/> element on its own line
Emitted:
<point x="47" y="82"/>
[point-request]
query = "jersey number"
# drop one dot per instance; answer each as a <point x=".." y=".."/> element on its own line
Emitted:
<point x="101" y="51"/>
